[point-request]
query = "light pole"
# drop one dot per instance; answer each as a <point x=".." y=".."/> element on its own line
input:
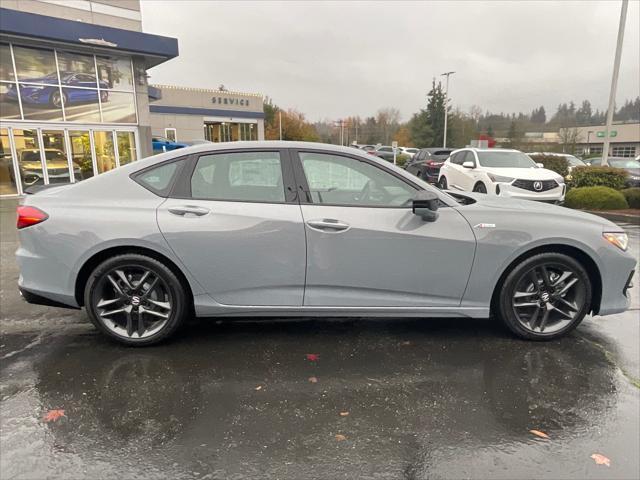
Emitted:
<point x="280" y="115"/>
<point x="446" y="101"/>
<point x="589" y="142"/>
<point x="614" y="81"/>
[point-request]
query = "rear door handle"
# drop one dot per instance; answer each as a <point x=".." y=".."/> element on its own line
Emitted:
<point x="328" y="225"/>
<point x="189" y="210"/>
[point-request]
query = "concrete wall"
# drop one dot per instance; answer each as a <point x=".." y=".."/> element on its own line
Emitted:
<point x="205" y="98"/>
<point x="123" y="14"/>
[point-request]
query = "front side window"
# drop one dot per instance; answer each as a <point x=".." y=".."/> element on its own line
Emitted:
<point x="239" y="176"/>
<point x="339" y="180"/>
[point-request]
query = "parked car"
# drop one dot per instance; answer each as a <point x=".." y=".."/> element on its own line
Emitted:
<point x="501" y="172"/>
<point x="366" y="148"/>
<point x="304" y="229"/>
<point x="48" y="92"/>
<point x="572" y="160"/>
<point x="427" y="162"/>
<point x="410" y="151"/>
<point x="30" y="167"/>
<point x="631" y="165"/>
<point x="385" y="152"/>
<point x="162" y="144"/>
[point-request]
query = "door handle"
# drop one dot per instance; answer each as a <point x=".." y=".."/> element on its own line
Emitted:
<point x="189" y="210"/>
<point x="328" y="225"/>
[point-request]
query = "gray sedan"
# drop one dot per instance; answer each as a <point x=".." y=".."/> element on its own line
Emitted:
<point x="266" y="229"/>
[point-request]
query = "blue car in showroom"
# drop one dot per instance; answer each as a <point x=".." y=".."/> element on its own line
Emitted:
<point x="48" y="93"/>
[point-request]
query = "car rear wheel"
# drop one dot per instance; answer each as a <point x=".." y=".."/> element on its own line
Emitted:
<point x="545" y="297"/>
<point x="135" y="299"/>
<point x="480" y="188"/>
<point x="443" y="183"/>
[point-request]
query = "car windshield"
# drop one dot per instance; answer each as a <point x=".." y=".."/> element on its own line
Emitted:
<point x="505" y="160"/>
<point x="624" y="163"/>
<point x="574" y="161"/>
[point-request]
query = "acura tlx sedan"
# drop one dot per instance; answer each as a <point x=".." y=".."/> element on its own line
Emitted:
<point x="280" y="229"/>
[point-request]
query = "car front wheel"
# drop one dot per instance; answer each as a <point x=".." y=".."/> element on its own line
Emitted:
<point x="545" y="296"/>
<point x="135" y="299"/>
<point x="443" y="183"/>
<point x="480" y="188"/>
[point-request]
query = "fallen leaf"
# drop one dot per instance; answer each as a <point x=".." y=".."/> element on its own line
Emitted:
<point x="259" y="387"/>
<point x="53" y="415"/>
<point x="405" y="343"/>
<point x="340" y="437"/>
<point x="601" y="459"/>
<point x="313" y="356"/>
<point x="540" y="434"/>
<point x="344" y="414"/>
<point x="313" y="380"/>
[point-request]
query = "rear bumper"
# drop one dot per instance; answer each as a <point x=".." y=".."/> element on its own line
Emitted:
<point x="35" y="299"/>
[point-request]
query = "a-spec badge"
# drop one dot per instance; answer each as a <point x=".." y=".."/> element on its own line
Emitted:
<point x="485" y="225"/>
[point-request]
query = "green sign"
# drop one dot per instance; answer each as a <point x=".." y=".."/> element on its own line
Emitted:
<point x="612" y="133"/>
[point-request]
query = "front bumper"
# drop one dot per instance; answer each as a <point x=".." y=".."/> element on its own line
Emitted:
<point x="509" y="191"/>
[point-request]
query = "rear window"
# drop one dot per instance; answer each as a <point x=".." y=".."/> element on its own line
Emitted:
<point x="160" y="179"/>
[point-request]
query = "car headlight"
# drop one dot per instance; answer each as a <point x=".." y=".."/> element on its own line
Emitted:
<point x="619" y="239"/>
<point x="560" y="180"/>
<point x="499" y="178"/>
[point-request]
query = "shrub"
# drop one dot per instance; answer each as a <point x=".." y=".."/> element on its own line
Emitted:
<point x="632" y="195"/>
<point x="401" y="159"/>
<point x="556" y="163"/>
<point x="595" y="198"/>
<point x="599" y="177"/>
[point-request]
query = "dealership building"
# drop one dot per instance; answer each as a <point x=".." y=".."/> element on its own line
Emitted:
<point x="191" y="114"/>
<point x="74" y="99"/>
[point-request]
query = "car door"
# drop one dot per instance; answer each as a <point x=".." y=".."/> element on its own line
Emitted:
<point x="366" y="248"/>
<point x="235" y="223"/>
<point x="467" y="175"/>
<point x="454" y="171"/>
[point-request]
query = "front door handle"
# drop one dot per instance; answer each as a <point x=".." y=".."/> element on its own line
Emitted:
<point x="328" y="225"/>
<point x="189" y="210"/>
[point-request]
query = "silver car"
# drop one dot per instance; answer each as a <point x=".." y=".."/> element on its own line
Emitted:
<point x="264" y="229"/>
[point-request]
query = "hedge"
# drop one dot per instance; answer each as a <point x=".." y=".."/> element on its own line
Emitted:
<point x="595" y="198"/>
<point x="555" y="163"/>
<point x="632" y="196"/>
<point x="402" y="159"/>
<point x="599" y="177"/>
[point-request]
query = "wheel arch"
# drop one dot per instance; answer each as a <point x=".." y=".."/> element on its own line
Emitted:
<point x="97" y="258"/>
<point x="576" y="253"/>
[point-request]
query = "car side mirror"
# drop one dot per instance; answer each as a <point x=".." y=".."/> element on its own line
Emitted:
<point x="425" y="205"/>
<point x="469" y="165"/>
<point x="540" y="165"/>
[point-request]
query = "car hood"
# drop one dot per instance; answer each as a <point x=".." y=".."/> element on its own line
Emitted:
<point x="528" y="207"/>
<point x="524" y="173"/>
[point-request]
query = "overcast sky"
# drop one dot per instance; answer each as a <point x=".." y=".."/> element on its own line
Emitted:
<point x="331" y="60"/>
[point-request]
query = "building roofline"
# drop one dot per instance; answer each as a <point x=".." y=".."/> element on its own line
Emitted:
<point x="205" y="90"/>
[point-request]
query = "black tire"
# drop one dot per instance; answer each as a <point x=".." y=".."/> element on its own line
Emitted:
<point x="56" y="100"/>
<point x="480" y="188"/>
<point x="512" y="315"/>
<point x="443" y="183"/>
<point x="175" y="291"/>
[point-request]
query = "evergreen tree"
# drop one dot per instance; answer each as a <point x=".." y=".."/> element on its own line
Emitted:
<point x="435" y="112"/>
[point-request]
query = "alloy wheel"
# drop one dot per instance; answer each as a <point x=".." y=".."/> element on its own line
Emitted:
<point x="548" y="297"/>
<point x="133" y="301"/>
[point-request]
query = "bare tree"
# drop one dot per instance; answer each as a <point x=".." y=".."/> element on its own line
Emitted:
<point x="569" y="137"/>
<point x="388" y="121"/>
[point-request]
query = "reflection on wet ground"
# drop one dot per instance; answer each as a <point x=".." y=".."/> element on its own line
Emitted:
<point x="424" y="400"/>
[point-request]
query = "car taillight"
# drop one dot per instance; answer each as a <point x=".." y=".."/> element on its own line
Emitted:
<point x="28" y="216"/>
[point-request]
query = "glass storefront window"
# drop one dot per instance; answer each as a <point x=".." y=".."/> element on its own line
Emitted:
<point x="40" y="80"/>
<point x="118" y="107"/>
<point x="41" y="102"/>
<point x="81" y="105"/>
<point x="7" y="176"/>
<point x="115" y="73"/>
<point x="81" y="154"/>
<point x="55" y="153"/>
<point x="29" y="163"/>
<point x="77" y="70"/>
<point x="127" y="152"/>
<point x="35" y="65"/>
<point x="6" y="65"/>
<point x="9" y="107"/>
<point x="105" y="152"/>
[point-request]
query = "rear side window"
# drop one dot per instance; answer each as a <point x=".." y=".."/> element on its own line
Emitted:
<point x="239" y="176"/>
<point x="159" y="179"/>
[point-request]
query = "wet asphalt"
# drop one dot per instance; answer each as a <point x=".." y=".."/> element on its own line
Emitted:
<point x="397" y="399"/>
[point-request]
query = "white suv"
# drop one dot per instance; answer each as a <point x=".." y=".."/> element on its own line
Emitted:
<point x="506" y="173"/>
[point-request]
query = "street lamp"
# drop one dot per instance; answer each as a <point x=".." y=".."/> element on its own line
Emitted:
<point x="446" y="101"/>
